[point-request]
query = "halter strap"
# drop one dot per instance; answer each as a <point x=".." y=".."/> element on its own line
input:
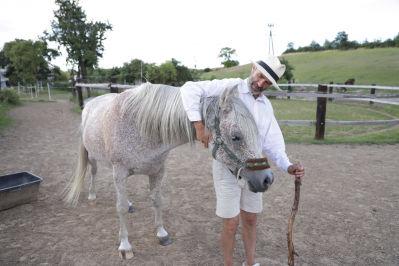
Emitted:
<point x="251" y="164"/>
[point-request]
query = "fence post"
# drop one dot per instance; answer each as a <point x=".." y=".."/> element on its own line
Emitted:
<point x="321" y="113"/>
<point x="114" y="89"/>
<point x="372" y="92"/>
<point x="330" y="91"/>
<point x="80" y="97"/>
<point x="289" y="89"/>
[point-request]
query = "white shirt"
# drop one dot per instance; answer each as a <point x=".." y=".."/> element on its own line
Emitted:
<point x="272" y="140"/>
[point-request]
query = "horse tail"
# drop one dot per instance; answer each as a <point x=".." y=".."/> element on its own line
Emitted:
<point x="76" y="184"/>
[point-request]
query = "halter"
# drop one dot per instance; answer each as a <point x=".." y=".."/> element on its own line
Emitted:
<point x="251" y="164"/>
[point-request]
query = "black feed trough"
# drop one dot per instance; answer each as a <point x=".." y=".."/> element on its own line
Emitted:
<point x="18" y="188"/>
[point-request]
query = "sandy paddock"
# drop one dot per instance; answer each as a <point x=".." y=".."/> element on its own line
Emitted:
<point x="348" y="213"/>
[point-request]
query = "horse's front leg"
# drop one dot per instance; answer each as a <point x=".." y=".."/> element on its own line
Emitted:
<point x="122" y="207"/>
<point x="156" y="195"/>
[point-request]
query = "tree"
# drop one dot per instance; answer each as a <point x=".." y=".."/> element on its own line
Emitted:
<point x="341" y="41"/>
<point x="29" y="59"/>
<point x="314" y="46"/>
<point x="288" y="75"/>
<point x="82" y="39"/>
<point x="226" y="53"/>
<point x="327" y="45"/>
<point x="132" y="71"/>
<point x="397" y="40"/>
<point x="183" y="73"/>
<point x="167" y="72"/>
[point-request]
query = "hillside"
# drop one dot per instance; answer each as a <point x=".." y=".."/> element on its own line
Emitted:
<point x="367" y="66"/>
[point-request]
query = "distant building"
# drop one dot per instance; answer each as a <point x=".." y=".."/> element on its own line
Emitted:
<point x="4" y="81"/>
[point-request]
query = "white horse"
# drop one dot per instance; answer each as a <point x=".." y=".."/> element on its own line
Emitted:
<point x="134" y="131"/>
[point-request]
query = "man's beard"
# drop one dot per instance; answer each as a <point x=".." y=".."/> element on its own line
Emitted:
<point x="251" y="82"/>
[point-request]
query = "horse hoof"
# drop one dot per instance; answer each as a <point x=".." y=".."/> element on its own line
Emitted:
<point x="126" y="254"/>
<point x="92" y="202"/>
<point x="131" y="210"/>
<point x="165" y="240"/>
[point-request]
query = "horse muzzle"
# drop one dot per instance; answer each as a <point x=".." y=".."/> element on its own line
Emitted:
<point x="259" y="175"/>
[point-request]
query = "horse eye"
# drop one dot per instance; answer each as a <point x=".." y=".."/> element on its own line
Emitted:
<point x="235" y="138"/>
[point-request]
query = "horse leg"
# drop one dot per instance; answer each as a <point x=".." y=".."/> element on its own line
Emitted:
<point x="122" y="207"/>
<point x="156" y="195"/>
<point x="131" y="210"/>
<point x="92" y="200"/>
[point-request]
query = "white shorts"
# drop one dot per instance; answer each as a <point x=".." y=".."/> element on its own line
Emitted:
<point x="231" y="197"/>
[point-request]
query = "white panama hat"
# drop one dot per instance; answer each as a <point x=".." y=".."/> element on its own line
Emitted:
<point x="271" y="67"/>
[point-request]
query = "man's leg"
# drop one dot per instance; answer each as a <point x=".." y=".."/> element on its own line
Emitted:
<point x="230" y="226"/>
<point x="249" y="236"/>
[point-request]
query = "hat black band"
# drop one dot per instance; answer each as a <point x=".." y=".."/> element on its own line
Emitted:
<point x="269" y="70"/>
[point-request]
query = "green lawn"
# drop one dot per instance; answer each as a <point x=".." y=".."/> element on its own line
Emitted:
<point x="5" y="120"/>
<point x="306" y="110"/>
<point x="367" y="66"/>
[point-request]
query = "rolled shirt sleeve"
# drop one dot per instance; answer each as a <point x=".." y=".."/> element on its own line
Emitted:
<point x="192" y="92"/>
<point x="274" y="145"/>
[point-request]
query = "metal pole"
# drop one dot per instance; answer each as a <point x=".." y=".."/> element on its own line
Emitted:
<point x="31" y="94"/>
<point x="289" y="89"/>
<point x="18" y="89"/>
<point x="49" y="95"/>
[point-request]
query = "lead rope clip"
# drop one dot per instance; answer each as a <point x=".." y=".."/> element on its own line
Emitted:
<point x="238" y="176"/>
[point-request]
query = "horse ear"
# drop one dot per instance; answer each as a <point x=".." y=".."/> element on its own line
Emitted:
<point x="224" y="97"/>
<point x="226" y="94"/>
<point x="234" y="92"/>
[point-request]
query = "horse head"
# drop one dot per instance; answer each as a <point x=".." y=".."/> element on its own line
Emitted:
<point x="236" y="139"/>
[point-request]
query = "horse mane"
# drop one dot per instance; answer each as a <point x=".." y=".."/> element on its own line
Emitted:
<point x="158" y="112"/>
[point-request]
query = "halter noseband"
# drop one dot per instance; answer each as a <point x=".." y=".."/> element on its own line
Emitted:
<point x="251" y="164"/>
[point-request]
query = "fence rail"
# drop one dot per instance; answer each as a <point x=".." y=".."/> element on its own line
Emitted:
<point x="340" y="86"/>
<point x="310" y="123"/>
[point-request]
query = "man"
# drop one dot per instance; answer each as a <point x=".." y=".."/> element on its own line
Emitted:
<point x="232" y="200"/>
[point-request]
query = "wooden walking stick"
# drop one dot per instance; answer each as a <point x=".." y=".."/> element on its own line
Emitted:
<point x="291" y="250"/>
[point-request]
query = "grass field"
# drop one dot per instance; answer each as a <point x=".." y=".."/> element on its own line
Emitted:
<point x="367" y="66"/>
<point x="306" y="110"/>
<point x="5" y="120"/>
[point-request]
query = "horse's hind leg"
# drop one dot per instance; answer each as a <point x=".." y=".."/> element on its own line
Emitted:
<point x="92" y="200"/>
<point x="122" y="207"/>
<point x="156" y="194"/>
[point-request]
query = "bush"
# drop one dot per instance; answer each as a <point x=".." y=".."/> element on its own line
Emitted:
<point x="9" y="96"/>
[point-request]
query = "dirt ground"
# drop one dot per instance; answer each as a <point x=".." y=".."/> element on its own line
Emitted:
<point x="348" y="212"/>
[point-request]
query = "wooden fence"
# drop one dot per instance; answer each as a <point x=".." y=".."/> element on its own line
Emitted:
<point x="321" y="96"/>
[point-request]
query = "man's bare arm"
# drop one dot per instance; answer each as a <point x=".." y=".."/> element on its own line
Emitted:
<point x="201" y="133"/>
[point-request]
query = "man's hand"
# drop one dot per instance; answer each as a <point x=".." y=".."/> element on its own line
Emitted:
<point x="297" y="170"/>
<point x="201" y="136"/>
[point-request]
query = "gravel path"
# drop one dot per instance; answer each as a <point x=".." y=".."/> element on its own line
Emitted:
<point x="348" y="213"/>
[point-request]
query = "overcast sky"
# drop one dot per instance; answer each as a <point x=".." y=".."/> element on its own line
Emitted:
<point x="193" y="32"/>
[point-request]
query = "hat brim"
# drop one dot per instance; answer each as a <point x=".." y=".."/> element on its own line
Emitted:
<point x="266" y="74"/>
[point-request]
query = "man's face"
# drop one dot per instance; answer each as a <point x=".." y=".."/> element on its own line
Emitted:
<point x="258" y="82"/>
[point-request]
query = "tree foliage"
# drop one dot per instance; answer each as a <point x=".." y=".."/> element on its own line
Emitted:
<point x="342" y="42"/>
<point x="82" y="39"/>
<point x="183" y="73"/>
<point x="29" y="60"/>
<point x="131" y="71"/>
<point x="288" y="74"/>
<point x="226" y="54"/>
